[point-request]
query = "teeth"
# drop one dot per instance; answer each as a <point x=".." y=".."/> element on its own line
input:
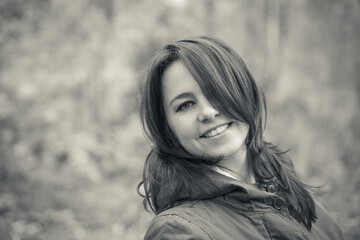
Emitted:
<point x="217" y="131"/>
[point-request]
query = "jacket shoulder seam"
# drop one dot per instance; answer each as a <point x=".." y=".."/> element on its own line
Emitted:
<point x="203" y="228"/>
<point x="264" y="225"/>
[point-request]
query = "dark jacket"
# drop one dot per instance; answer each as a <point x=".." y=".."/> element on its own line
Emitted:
<point x="238" y="211"/>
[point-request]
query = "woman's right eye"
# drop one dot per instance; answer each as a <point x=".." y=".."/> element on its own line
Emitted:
<point x="185" y="106"/>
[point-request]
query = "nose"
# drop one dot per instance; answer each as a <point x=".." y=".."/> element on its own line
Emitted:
<point x="208" y="113"/>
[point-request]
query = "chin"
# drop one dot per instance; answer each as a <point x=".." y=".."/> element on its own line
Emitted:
<point x="232" y="150"/>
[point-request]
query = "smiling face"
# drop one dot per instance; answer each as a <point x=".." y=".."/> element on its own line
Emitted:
<point x="199" y="127"/>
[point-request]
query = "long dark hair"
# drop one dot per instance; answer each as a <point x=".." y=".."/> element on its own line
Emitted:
<point x="228" y="85"/>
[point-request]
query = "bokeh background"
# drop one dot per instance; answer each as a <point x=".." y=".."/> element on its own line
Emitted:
<point x="71" y="146"/>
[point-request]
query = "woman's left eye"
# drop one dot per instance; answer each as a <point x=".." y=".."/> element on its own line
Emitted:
<point x="185" y="106"/>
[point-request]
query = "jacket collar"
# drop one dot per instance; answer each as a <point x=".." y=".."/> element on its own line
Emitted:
<point x="219" y="185"/>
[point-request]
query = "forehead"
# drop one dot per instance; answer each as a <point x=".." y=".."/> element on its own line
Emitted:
<point x="177" y="80"/>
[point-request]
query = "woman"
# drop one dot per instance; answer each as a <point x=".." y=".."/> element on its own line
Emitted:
<point x="210" y="173"/>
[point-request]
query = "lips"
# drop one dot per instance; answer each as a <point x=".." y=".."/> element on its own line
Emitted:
<point x="216" y="131"/>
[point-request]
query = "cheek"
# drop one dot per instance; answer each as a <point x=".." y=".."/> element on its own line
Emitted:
<point x="244" y="128"/>
<point x="183" y="129"/>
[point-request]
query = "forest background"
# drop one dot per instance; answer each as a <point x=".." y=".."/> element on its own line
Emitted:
<point x="71" y="146"/>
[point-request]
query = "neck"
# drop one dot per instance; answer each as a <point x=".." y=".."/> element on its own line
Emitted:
<point x="236" y="164"/>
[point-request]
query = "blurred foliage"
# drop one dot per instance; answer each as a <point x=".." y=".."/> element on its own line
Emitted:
<point x="71" y="147"/>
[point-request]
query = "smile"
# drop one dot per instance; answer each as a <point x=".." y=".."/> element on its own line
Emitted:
<point x="216" y="131"/>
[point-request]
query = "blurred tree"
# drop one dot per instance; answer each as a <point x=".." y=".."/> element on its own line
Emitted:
<point x="71" y="147"/>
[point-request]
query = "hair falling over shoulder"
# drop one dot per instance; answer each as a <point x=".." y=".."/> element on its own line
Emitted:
<point x="228" y="84"/>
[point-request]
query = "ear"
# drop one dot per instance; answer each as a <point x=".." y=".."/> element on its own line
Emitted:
<point x="247" y="141"/>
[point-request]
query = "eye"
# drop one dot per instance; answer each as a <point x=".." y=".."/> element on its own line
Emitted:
<point x="185" y="106"/>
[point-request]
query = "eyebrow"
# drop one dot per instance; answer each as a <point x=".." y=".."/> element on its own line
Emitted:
<point x="180" y="96"/>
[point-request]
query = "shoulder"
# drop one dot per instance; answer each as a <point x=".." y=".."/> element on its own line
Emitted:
<point x="175" y="223"/>
<point x="325" y="226"/>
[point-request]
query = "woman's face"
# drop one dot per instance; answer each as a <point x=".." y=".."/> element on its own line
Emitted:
<point x="199" y="127"/>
